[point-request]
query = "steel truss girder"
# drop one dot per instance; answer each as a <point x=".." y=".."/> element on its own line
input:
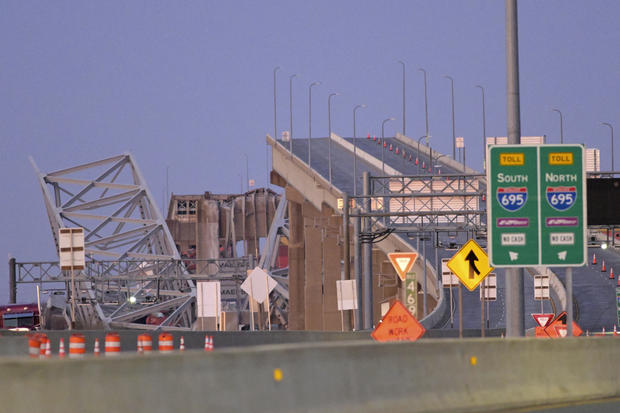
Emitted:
<point x="110" y="199"/>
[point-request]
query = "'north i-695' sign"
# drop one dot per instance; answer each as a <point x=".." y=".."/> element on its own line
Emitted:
<point x="537" y="205"/>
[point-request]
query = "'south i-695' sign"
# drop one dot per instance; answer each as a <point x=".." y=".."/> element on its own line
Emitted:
<point x="537" y="205"/>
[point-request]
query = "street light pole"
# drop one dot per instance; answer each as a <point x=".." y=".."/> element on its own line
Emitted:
<point x="355" y="149"/>
<point x="561" y="125"/>
<point x="418" y="154"/>
<point x="484" y="131"/>
<point x="611" y="128"/>
<point x="329" y="137"/>
<point x="404" y="122"/>
<point x="290" y="99"/>
<point x="452" y="103"/>
<point x="383" y="143"/>
<point x="425" y="100"/>
<point x="275" y="123"/>
<point x="310" y="119"/>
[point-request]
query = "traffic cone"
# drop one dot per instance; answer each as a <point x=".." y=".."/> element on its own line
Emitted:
<point x="603" y="331"/>
<point x="615" y="332"/>
<point x="587" y="333"/>
<point x="618" y="282"/>
<point x="182" y="345"/>
<point x="603" y="267"/>
<point x="593" y="259"/>
<point x="411" y="158"/>
<point x="207" y="348"/>
<point x="416" y="161"/>
<point x="97" y="350"/>
<point x="390" y="146"/>
<point x="423" y="165"/>
<point x="369" y="136"/>
<point x="611" y="273"/>
<point x="396" y="151"/>
<point x="61" y="349"/>
<point x="384" y="144"/>
<point x="211" y="346"/>
<point x="48" y="349"/>
<point x="374" y="138"/>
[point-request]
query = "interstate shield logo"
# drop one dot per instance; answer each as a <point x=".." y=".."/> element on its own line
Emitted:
<point x="561" y="198"/>
<point x="512" y="198"/>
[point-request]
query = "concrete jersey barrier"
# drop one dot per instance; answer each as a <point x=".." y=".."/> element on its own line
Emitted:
<point x="429" y="375"/>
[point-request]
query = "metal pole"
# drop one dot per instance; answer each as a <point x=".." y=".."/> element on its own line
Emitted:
<point x="357" y="265"/>
<point x="514" y="276"/>
<point x="310" y="119"/>
<point x="404" y="129"/>
<point x="383" y="143"/>
<point x="424" y="283"/>
<point x="12" y="281"/>
<point x="460" y="311"/>
<point x="425" y="100"/>
<point x="561" y="125"/>
<point x="275" y="123"/>
<point x="346" y="246"/>
<point x="247" y="174"/>
<point x="368" y="316"/>
<point x="290" y="104"/>
<point x="611" y="128"/>
<point x="569" y="304"/>
<point x="452" y="104"/>
<point x="355" y="149"/>
<point x="329" y="137"/>
<point x="484" y="131"/>
<point x="482" y="290"/>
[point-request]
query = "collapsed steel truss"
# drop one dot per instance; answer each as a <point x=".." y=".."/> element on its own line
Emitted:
<point x="109" y="198"/>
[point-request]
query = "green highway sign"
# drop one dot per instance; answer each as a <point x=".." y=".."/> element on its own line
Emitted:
<point x="536" y="205"/>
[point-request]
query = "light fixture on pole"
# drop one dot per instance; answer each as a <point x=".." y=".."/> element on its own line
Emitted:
<point x="355" y="149"/>
<point x="383" y="143"/>
<point x="425" y="100"/>
<point x="452" y="103"/>
<point x="561" y="125"/>
<point x="611" y="128"/>
<point x="484" y="130"/>
<point x="310" y="119"/>
<point x="329" y="137"/>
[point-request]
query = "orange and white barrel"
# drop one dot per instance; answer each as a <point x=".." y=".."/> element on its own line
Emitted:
<point x="112" y="344"/>
<point x="34" y="346"/>
<point x="166" y="343"/>
<point x="146" y="343"/>
<point x="77" y="346"/>
<point x="43" y="347"/>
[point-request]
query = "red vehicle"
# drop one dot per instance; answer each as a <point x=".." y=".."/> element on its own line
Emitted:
<point x="19" y="317"/>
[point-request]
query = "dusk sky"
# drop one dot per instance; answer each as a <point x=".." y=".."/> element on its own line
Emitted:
<point x="188" y="85"/>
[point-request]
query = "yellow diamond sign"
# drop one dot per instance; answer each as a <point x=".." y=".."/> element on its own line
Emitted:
<point x="470" y="264"/>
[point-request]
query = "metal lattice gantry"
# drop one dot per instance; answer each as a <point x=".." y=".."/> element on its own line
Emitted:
<point x="110" y="200"/>
<point x="427" y="202"/>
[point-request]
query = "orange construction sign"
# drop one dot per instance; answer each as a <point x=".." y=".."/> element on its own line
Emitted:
<point x="557" y="328"/>
<point x="398" y="325"/>
<point x="402" y="262"/>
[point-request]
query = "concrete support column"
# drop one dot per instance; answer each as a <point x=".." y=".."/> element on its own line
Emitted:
<point x="296" y="260"/>
<point x="12" y="281"/>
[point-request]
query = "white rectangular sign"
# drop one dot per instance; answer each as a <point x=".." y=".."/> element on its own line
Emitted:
<point x="71" y="248"/>
<point x="208" y="298"/>
<point x="346" y="291"/>
<point x="541" y="287"/>
<point x="488" y="288"/>
<point x="448" y="279"/>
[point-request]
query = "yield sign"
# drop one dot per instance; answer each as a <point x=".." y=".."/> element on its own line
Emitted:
<point x="402" y="262"/>
<point x="398" y="325"/>
<point x="543" y="320"/>
<point x="470" y="264"/>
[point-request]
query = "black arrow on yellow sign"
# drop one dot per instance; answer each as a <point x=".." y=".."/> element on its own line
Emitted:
<point x="472" y="258"/>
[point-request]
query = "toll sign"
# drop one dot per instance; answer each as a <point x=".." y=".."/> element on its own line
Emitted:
<point x="398" y="325"/>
